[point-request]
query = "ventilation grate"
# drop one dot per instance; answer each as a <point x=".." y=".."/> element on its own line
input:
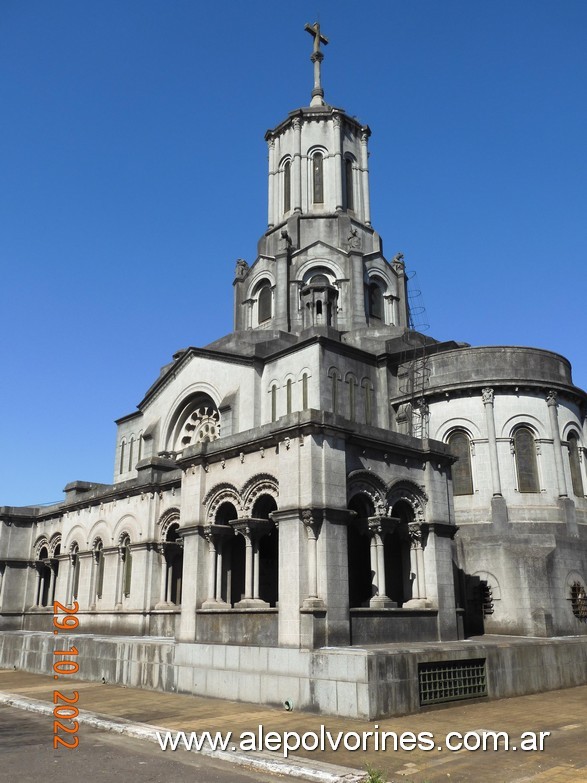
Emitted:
<point x="452" y="680"/>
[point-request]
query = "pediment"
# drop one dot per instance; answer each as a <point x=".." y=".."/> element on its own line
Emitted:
<point x="319" y="249"/>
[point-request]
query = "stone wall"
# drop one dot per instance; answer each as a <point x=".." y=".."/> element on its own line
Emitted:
<point x="356" y="683"/>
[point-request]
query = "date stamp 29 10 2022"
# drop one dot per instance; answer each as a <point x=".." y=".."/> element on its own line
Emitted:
<point x="65" y="712"/>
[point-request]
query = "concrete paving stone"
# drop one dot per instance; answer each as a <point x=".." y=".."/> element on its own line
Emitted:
<point x="563" y="713"/>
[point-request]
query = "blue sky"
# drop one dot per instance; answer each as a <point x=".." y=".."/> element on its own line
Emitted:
<point x="134" y="174"/>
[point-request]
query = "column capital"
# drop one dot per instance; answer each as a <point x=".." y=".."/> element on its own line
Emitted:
<point x="312" y="521"/>
<point x="382" y="524"/>
<point x="251" y="527"/>
<point x="487" y="395"/>
<point x="415" y="533"/>
<point x="551" y="397"/>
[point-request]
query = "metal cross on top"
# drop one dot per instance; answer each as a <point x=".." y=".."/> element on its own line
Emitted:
<point x="317" y="56"/>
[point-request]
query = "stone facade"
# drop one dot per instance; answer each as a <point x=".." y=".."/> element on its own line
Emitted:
<point x="323" y="476"/>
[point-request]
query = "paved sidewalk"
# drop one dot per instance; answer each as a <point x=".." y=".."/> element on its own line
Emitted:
<point x="562" y="713"/>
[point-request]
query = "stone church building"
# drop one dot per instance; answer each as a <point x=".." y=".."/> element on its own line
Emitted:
<point x="298" y="502"/>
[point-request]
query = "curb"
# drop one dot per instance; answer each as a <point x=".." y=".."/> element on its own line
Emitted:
<point x="295" y="767"/>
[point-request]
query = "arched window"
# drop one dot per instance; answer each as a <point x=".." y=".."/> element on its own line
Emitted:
<point x="305" y="391"/>
<point x="264" y="304"/>
<point x="360" y="575"/>
<point x="268" y="546"/>
<point x="44" y="577"/>
<point x="75" y="566"/>
<point x="575" y="464"/>
<point x="197" y="420"/>
<point x="227" y="577"/>
<point x="526" y="465"/>
<point x="368" y="399"/>
<point x="318" y="178"/>
<point x="352" y="396"/>
<point x="173" y="564"/>
<point x="288" y="395"/>
<point x="375" y="294"/>
<point x="462" y="477"/>
<point x="122" y="450"/>
<point x="274" y="403"/>
<point x="287" y="186"/>
<point x="127" y="565"/>
<point x="348" y="181"/>
<point x="225" y="513"/>
<point x="335" y="380"/>
<point x="99" y="565"/>
<point x="130" y="451"/>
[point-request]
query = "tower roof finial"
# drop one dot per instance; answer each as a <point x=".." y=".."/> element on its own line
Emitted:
<point x="316" y="57"/>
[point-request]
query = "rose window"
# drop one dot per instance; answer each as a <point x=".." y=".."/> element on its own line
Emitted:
<point x="202" y="425"/>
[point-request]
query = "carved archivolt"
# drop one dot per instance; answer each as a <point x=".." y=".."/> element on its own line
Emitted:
<point x="54" y="543"/>
<point x="42" y="542"/>
<point x="411" y="493"/>
<point x="243" y="499"/>
<point x="169" y="517"/>
<point x="384" y="496"/>
<point x="363" y="482"/>
<point x="122" y="538"/>
<point x="261" y="484"/>
<point x="222" y="493"/>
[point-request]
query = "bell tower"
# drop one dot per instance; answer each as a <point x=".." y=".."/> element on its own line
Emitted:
<point x="320" y="262"/>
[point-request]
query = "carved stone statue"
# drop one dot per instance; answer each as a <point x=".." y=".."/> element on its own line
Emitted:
<point x="354" y="239"/>
<point x="241" y="269"/>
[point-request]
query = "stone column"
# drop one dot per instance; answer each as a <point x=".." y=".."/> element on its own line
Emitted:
<point x="119" y="585"/>
<point x="252" y="529"/>
<point x="399" y="268"/>
<point x="312" y="526"/>
<point x="68" y="596"/>
<point x="271" y="184"/>
<point x="38" y="584"/>
<point x="418" y="599"/>
<point x="493" y="458"/>
<point x="164" y="581"/>
<point x="211" y="592"/>
<point x="358" y="312"/>
<point x="365" y="176"/>
<point x="374" y="571"/>
<point x="317" y="92"/>
<point x="297" y="165"/>
<point x="54" y="566"/>
<point x="218" y="590"/>
<point x="248" y="566"/>
<point x="378" y="528"/>
<point x="256" y="570"/>
<point x="337" y="127"/>
<point x="551" y="401"/>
